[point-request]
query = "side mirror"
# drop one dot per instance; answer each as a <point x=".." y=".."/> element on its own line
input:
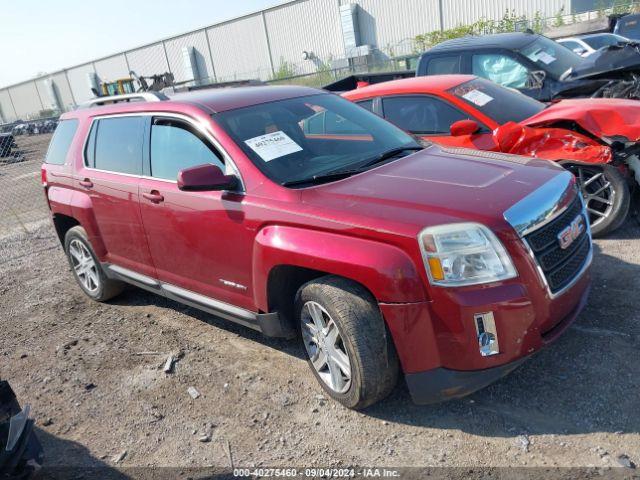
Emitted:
<point x="535" y="79"/>
<point x="464" y="127"/>
<point x="205" y="178"/>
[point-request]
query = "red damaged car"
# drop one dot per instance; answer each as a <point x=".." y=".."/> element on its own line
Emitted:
<point x="595" y="139"/>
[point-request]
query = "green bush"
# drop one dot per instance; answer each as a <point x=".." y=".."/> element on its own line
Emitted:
<point x="510" y="22"/>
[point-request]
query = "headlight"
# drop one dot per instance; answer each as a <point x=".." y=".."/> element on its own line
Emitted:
<point x="464" y="254"/>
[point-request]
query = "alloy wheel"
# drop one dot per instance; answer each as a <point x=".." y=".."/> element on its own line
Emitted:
<point x="325" y="347"/>
<point x="84" y="266"/>
<point x="598" y="193"/>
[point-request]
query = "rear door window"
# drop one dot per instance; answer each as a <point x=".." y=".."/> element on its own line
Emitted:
<point x="118" y="145"/>
<point x="61" y="142"/>
<point x="444" y="65"/>
<point x="175" y="145"/>
<point x="421" y="115"/>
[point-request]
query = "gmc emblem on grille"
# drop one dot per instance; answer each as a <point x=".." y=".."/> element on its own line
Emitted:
<point x="567" y="236"/>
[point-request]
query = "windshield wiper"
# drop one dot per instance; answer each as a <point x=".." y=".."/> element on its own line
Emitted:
<point x="339" y="174"/>
<point x="325" y="177"/>
<point x="386" y="155"/>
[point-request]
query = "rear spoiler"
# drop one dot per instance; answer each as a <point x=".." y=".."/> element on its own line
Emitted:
<point x="363" y="79"/>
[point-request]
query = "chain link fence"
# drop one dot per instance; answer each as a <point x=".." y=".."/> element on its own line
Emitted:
<point x="23" y="210"/>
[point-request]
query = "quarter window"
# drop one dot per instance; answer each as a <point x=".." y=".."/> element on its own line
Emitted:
<point x="421" y="115"/>
<point x="366" y="104"/>
<point x="61" y="141"/>
<point x="118" y="145"/>
<point x="175" y="145"/>
<point x="444" y="65"/>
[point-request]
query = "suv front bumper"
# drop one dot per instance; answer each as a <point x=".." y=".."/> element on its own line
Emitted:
<point x="441" y="384"/>
<point x="425" y="352"/>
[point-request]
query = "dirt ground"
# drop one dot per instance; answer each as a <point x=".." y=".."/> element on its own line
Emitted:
<point x="93" y="376"/>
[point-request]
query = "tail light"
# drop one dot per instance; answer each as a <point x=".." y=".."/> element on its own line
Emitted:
<point x="43" y="176"/>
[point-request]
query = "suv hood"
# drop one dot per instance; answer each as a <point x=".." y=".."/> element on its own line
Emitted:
<point x="605" y="118"/>
<point x="434" y="186"/>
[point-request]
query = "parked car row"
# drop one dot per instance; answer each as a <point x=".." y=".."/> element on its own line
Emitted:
<point x="443" y="230"/>
<point x="35" y="127"/>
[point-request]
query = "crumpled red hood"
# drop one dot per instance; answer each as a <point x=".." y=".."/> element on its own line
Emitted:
<point x="602" y="117"/>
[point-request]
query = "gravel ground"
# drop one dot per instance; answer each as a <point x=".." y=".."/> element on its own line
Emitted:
<point x="93" y="376"/>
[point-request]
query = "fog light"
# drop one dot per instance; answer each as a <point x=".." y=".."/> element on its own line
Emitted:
<point x="487" y="334"/>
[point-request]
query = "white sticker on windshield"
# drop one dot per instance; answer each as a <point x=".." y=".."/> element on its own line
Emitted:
<point x="273" y="145"/>
<point x="477" y="97"/>
<point x="545" y="58"/>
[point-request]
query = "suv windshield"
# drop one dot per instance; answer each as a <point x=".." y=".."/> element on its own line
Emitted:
<point x="552" y="57"/>
<point x="496" y="102"/>
<point x="305" y="138"/>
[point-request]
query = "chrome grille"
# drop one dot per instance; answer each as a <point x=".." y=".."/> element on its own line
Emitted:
<point x="560" y="266"/>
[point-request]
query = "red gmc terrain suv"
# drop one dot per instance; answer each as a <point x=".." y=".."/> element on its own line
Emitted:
<point x="452" y="265"/>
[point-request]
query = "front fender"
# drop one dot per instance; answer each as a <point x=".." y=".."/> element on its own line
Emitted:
<point x="387" y="271"/>
<point x="550" y="144"/>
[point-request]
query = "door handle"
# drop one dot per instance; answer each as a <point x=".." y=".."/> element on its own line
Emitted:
<point x="86" y="183"/>
<point x="153" y="196"/>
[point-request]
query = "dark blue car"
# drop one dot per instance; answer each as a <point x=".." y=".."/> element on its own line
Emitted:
<point x="537" y="66"/>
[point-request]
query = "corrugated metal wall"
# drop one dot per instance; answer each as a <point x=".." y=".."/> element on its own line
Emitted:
<point x="112" y="68"/>
<point x="255" y="45"/>
<point x="198" y="41"/>
<point x="79" y="83"/>
<point x="25" y="99"/>
<point x="148" y="60"/>
<point x="311" y="26"/>
<point x="239" y="49"/>
<point x="6" y="108"/>
<point x="390" y="25"/>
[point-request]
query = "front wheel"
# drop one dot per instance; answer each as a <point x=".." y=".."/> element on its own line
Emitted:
<point x="348" y="347"/>
<point x="606" y="194"/>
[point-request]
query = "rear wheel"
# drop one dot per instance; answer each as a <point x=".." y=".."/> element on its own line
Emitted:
<point x="606" y="194"/>
<point x="346" y="341"/>
<point x="86" y="267"/>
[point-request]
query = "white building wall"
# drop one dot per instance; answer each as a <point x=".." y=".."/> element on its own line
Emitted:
<point x="79" y="83"/>
<point x="112" y="68"/>
<point x="239" y="49"/>
<point x="26" y="100"/>
<point x="312" y="26"/>
<point x="149" y="60"/>
<point x="391" y="25"/>
<point x="62" y="88"/>
<point x="6" y="109"/>
<point x="198" y="41"/>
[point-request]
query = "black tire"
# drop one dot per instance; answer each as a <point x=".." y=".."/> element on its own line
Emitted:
<point x="604" y="218"/>
<point x="372" y="356"/>
<point x="105" y="288"/>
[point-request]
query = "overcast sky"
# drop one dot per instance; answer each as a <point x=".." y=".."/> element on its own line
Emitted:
<point x="46" y="35"/>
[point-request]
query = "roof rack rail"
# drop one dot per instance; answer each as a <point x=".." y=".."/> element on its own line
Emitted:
<point x="128" y="97"/>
